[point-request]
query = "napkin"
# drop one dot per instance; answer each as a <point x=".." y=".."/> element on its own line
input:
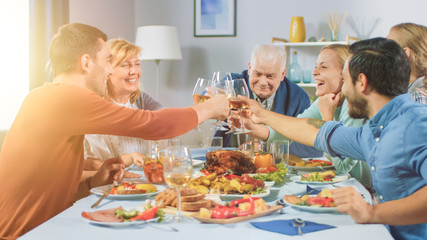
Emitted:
<point x="286" y="227"/>
<point x="312" y="191"/>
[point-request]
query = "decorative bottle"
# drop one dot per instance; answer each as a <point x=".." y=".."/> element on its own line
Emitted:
<point x="295" y="70"/>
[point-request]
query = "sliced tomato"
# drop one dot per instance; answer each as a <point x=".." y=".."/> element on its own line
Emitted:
<point x="231" y="176"/>
<point x="146" y="215"/>
<point x="205" y="172"/>
<point x="315" y="201"/>
<point x="327" y="179"/>
<point x="327" y="201"/>
<point x="272" y="169"/>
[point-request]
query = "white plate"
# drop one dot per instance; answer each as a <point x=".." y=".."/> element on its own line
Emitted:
<point x="269" y="184"/>
<point x="198" y="163"/>
<point x="338" y="178"/>
<point x="101" y="189"/>
<point x="310" y="169"/>
<point x="312" y="209"/>
<point x="254" y="174"/>
<point x="120" y="224"/>
<point x="234" y="196"/>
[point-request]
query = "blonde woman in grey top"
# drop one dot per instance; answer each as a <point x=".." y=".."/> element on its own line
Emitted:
<point x="122" y="89"/>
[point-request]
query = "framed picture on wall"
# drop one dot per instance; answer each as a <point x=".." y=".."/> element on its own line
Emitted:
<point x="214" y="18"/>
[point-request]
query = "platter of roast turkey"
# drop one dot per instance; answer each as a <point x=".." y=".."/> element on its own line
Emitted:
<point x="234" y="162"/>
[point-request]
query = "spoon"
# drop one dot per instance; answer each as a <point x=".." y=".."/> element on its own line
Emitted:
<point x="299" y="223"/>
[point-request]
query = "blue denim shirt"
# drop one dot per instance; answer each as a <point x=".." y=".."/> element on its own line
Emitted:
<point x="394" y="144"/>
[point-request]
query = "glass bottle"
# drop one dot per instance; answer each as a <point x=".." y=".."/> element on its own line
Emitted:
<point x="295" y="70"/>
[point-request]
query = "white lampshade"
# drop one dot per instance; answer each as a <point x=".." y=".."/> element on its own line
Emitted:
<point x="158" y="43"/>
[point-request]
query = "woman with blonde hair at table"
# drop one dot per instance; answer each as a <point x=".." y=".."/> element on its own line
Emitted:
<point x="122" y="89"/>
<point x="329" y="105"/>
<point x="413" y="39"/>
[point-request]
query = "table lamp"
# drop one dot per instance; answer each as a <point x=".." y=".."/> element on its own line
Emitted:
<point x="158" y="43"/>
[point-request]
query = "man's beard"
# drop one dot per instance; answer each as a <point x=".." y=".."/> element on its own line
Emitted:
<point x="357" y="107"/>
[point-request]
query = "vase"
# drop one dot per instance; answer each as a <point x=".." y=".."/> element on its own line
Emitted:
<point x="334" y="35"/>
<point x="295" y="72"/>
<point x="297" y="31"/>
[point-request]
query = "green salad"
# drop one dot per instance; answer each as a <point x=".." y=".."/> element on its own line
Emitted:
<point x="276" y="176"/>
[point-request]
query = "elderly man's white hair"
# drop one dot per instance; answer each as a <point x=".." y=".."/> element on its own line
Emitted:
<point x="268" y="52"/>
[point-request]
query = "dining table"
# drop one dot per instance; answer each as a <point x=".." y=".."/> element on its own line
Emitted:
<point x="70" y="224"/>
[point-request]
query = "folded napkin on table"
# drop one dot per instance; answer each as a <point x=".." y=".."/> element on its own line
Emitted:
<point x="286" y="227"/>
<point x="312" y="191"/>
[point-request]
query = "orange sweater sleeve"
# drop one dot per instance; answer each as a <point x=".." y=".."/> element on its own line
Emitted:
<point x="41" y="159"/>
<point x="91" y="114"/>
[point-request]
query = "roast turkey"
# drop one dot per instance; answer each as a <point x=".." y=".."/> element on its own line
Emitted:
<point x="235" y="162"/>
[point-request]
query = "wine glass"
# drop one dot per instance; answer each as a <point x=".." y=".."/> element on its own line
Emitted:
<point x="239" y="87"/>
<point x="202" y="90"/>
<point x="221" y="85"/>
<point x="177" y="170"/>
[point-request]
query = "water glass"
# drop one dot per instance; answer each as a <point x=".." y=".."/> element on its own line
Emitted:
<point x="214" y="143"/>
<point x="280" y="151"/>
<point x="307" y="76"/>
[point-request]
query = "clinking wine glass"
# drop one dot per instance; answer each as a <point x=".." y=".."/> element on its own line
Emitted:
<point x="202" y="92"/>
<point x="220" y="85"/>
<point x="239" y="87"/>
<point x="177" y="170"/>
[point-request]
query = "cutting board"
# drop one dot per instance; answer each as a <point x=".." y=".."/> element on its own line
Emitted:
<point x="173" y="211"/>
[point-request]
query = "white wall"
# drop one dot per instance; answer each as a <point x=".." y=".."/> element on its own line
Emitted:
<point x="257" y="22"/>
<point x="114" y="17"/>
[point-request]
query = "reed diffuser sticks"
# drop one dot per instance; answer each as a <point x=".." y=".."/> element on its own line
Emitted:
<point x="335" y="21"/>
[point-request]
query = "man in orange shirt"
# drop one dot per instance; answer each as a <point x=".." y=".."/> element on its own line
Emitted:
<point x="41" y="160"/>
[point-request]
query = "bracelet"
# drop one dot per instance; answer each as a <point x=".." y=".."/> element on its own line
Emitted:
<point x="88" y="182"/>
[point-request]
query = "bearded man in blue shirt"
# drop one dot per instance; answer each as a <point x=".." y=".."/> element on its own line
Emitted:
<point x="393" y="141"/>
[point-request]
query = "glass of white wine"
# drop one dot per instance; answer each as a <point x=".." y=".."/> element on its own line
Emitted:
<point x="178" y="170"/>
<point x="239" y="87"/>
<point x="221" y="85"/>
<point x="202" y="90"/>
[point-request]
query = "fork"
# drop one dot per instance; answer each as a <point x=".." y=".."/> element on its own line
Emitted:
<point x="161" y="227"/>
<point x="106" y="193"/>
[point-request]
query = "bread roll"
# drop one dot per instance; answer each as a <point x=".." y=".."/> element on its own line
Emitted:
<point x="195" y="206"/>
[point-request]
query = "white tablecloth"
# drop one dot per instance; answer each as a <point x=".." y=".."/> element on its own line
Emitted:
<point x="70" y="225"/>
